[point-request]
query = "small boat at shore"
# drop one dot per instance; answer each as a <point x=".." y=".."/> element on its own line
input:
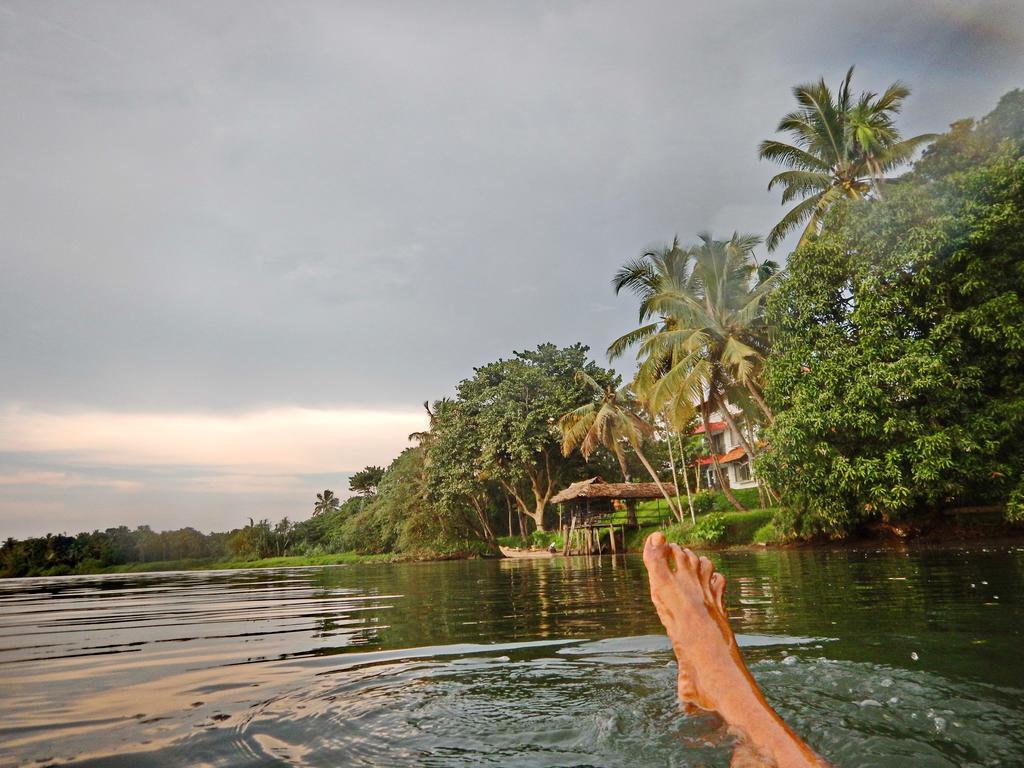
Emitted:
<point x="525" y="554"/>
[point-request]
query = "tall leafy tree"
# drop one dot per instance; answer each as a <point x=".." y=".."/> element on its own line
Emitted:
<point x="365" y="481"/>
<point x="900" y="345"/>
<point x="457" y="478"/>
<point x="508" y="409"/>
<point x="842" y="146"/>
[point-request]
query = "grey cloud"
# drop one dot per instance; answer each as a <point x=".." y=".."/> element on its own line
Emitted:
<point x="204" y="204"/>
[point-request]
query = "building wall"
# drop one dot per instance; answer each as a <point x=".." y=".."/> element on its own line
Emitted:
<point x="730" y="440"/>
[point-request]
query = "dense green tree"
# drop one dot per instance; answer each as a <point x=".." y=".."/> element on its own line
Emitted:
<point x="507" y="411"/>
<point x="403" y="518"/>
<point x="899" y="375"/>
<point x="842" y="147"/>
<point x="365" y="481"/>
<point x="456" y="474"/>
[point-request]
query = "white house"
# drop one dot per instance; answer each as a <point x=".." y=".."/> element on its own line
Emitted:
<point x="731" y="455"/>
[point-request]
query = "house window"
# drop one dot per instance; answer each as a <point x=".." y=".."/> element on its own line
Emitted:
<point x="718" y="441"/>
<point x="743" y="471"/>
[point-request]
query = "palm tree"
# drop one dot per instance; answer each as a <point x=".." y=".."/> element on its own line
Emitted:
<point x="708" y="343"/>
<point x="610" y="421"/>
<point x="841" y="149"/>
<point x="425" y="438"/>
<point x="326" y="502"/>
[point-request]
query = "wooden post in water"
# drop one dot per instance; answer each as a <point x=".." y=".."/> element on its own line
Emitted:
<point x="611" y="538"/>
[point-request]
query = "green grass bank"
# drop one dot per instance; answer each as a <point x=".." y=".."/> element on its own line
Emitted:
<point x="714" y="529"/>
<point x="211" y="564"/>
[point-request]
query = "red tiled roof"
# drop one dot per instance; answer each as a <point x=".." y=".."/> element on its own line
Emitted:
<point x="724" y="458"/>
<point x="716" y="426"/>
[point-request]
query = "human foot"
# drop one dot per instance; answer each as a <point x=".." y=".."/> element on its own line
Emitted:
<point x="690" y="599"/>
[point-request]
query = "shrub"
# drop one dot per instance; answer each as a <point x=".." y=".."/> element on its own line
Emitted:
<point x="512" y="541"/>
<point x="748" y="497"/>
<point x="703" y="502"/>
<point x="766" y="534"/>
<point x="1015" y="506"/>
<point x="709" y="529"/>
<point x="677" y="534"/>
<point x="543" y="539"/>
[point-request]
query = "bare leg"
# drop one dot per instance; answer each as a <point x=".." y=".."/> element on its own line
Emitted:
<point x="689" y="596"/>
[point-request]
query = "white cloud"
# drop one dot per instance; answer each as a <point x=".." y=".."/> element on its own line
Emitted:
<point x="282" y="441"/>
<point x="51" y="479"/>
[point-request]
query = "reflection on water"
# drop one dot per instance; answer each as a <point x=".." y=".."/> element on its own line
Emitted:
<point x="877" y="658"/>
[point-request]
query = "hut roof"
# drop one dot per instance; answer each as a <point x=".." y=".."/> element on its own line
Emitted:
<point x="596" y="488"/>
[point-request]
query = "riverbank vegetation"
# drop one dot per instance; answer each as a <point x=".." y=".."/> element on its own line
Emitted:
<point x="897" y="369"/>
<point x="877" y="376"/>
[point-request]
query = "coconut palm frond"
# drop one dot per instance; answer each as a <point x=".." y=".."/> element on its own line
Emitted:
<point x="799" y="214"/>
<point x="618" y="347"/>
<point x="839" y="143"/>
<point x="712" y="327"/>
<point x="574" y="427"/>
<point x="582" y="377"/>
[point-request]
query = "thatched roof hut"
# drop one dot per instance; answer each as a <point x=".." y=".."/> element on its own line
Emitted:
<point x="597" y="488"/>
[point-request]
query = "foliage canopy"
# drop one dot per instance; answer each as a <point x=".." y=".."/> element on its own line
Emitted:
<point x="899" y="375"/>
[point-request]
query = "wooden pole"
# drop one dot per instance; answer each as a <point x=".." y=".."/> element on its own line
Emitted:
<point x="611" y="538"/>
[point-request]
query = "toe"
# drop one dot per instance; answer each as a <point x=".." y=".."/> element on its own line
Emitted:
<point x="655" y="553"/>
<point x="692" y="562"/>
<point x="705" y="569"/>
<point x="718" y="590"/>
<point x="678" y="557"/>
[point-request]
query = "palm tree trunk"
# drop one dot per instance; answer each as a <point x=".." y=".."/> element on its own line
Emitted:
<point x="759" y="399"/>
<point x="686" y="479"/>
<point x="654" y="477"/>
<point x="714" y="461"/>
<point x="675" y="477"/>
<point x="627" y="478"/>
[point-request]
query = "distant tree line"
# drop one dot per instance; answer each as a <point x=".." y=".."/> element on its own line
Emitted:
<point x="59" y="554"/>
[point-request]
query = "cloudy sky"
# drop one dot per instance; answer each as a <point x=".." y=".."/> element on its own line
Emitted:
<point x="241" y="242"/>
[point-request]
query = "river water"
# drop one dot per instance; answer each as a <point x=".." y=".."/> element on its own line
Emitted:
<point x="877" y="658"/>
